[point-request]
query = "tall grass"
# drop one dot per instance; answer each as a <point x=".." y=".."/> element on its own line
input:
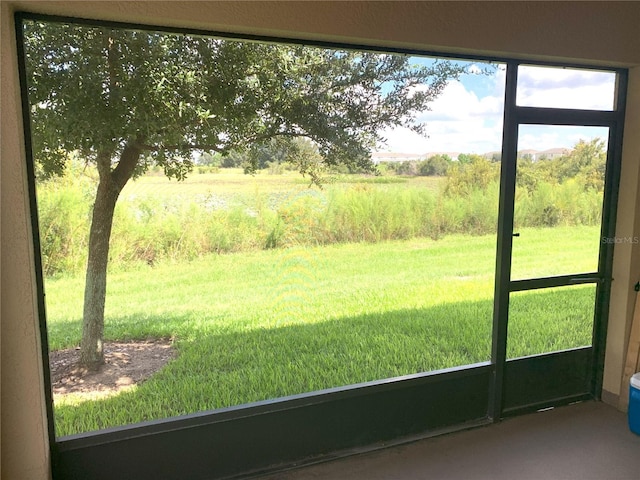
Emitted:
<point x="64" y="210"/>
<point x="150" y="226"/>
<point x="550" y="205"/>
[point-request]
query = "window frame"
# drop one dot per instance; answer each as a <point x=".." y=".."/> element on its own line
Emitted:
<point x="355" y="417"/>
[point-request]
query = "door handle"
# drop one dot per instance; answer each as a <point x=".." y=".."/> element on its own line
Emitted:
<point x="517" y="234"/>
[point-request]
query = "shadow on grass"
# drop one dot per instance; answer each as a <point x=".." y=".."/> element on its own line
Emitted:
<point x="218" y="368"/>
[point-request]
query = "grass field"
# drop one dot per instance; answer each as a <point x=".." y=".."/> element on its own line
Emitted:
<point x="230" y="182"/>
<point x="265" y="324"/>
<point x="157" y="219"/>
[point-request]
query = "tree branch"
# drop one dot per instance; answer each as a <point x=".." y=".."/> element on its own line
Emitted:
<point x="267" y="136"/>
<point x="127" y="164"/>
<point x="189" y="146"/>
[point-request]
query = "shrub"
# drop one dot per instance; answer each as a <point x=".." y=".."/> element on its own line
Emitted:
<point x="465" y="178"/>
<point x="435" y="166"/>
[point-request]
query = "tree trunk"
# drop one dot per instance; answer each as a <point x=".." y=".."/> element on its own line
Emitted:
<point x="109" y="187"/>
<point x="91" y="353"/>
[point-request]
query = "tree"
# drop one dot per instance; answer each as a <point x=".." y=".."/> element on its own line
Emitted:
<point x="465" y="178"/>
<point x="584" y="163"/>
<point x="234" y="159"/>
<point x="465" y="158"/>
<point x="588" y="161"/>
<point x="209" y="160"/>
<point x="127" y="100"/>
<point x="279" y="150"/>
<point x="436" y="165"/>
<point x="407" y="167"/>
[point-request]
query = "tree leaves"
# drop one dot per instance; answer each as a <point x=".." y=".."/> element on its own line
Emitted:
<point x="97" y="89"/>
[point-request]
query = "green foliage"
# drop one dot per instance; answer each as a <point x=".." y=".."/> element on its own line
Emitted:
<point x="64" y="214"/>
<point x="466" y="178"/>
<point x="584" y="164"/>
<point x="587" y="160"/>
<point x="465" y="158"/>
<point x="234" y="159"/>
<point x="551" y="205"/>
<point x="565" y="190"/>
<point x="406" y="167"/>
<point x="210" y="159"/>
<point x="204" y="170"/>
<point x="98" y="89"/>
<point x="129" y="100"/>
<point x="366" y="179"/>
<point x="350" y="208"/>
<point x="434" y="166"/>
<point x="474" y="213"/>
<point x="286" y="154"/>
<point x="255" y="326"/>
<point x="151" y="228"/>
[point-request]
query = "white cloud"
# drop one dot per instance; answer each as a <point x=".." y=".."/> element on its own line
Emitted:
<point x="552" y="77"/>
<point x="464" y="120"/>
<point x="458" y="121"/>
<point x="565" y="88"/>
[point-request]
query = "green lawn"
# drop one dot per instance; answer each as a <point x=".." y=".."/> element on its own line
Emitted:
<point x="266" y="324"/>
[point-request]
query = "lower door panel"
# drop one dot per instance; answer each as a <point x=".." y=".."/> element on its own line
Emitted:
<point x="544" y="380"/>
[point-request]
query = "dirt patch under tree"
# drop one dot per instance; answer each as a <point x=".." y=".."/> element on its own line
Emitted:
<point x="126" y="364"/>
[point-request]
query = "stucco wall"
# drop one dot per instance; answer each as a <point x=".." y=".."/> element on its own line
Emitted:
<point x="599" y="32"/>
<point x="626" y="258"/>
<point x="23" y="422"/>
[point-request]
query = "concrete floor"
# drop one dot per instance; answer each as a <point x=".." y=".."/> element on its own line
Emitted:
<point x="585" y="441"/>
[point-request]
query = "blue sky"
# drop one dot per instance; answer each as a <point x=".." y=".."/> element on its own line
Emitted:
<point x="467" y="117"/>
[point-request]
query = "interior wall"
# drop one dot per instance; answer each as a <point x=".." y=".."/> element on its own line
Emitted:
<point x="626" y="257"/>
<point x="598" y="31"/>
<point x="23" y="437"/>
<point x="594" y="32"/>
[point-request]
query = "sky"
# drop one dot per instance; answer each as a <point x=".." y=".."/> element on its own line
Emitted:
<point x="467" y="117"/>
